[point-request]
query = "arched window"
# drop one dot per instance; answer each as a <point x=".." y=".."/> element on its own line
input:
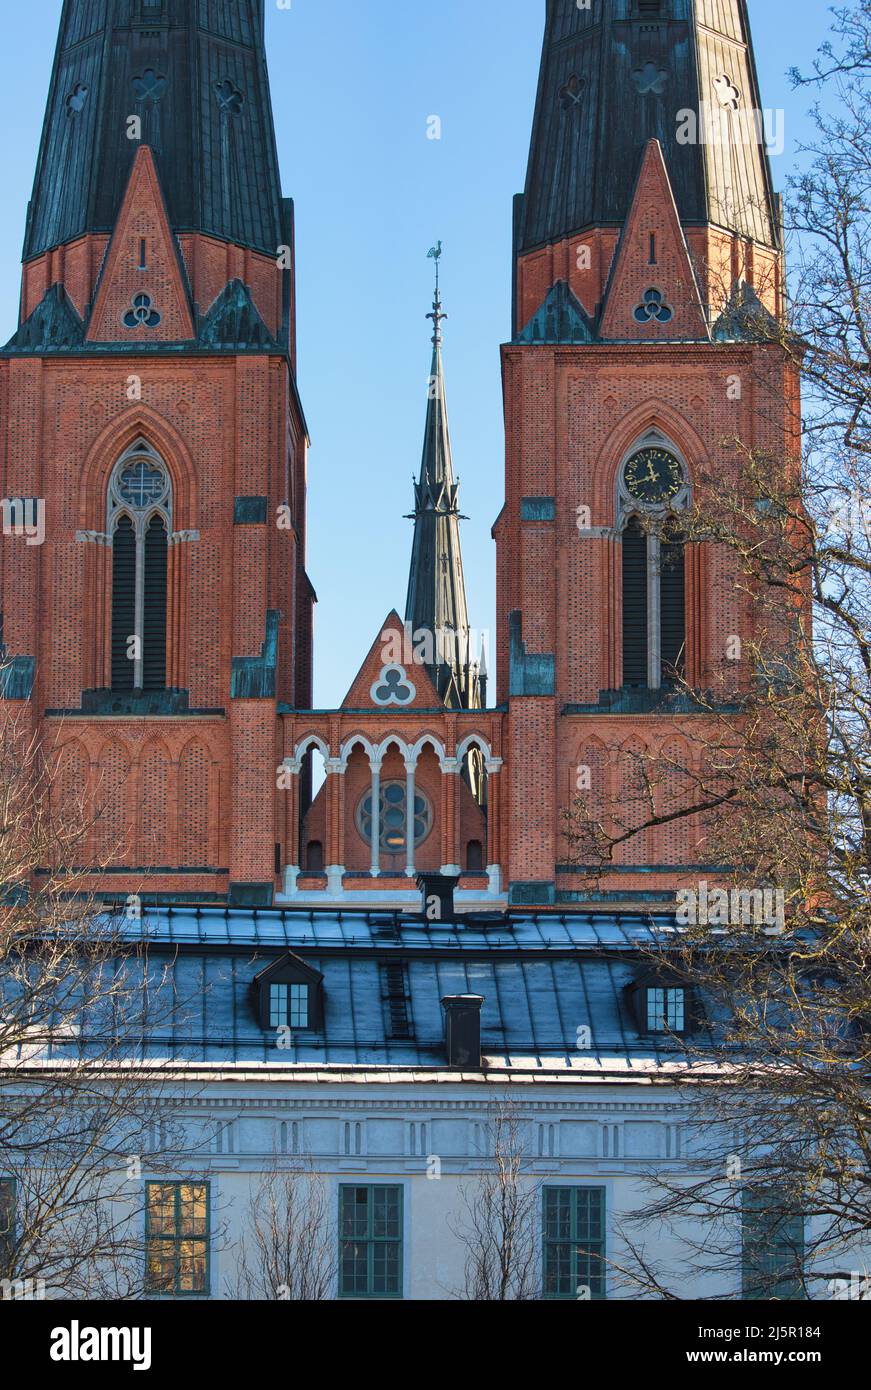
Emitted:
<point x="653" y="486"/>
<point x="393" y="818"/>
<point x="140" y="524"/>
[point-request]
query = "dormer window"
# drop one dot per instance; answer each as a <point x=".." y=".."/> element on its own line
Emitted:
<point x="666" y="1010"/>
<point x="289" y="995"/>
<point x="662" y="1005"/>
<point x="288" y="1006"/>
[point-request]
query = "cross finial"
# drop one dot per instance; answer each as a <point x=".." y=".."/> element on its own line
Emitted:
<point x="435" y="254"/>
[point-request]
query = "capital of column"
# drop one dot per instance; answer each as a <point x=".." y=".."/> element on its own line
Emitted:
<point x="494" y="765"/>
<point x="334" y="767"/>
<point x="449" y="766"/>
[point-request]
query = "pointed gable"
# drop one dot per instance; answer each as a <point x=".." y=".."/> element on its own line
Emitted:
<point x="141" y="295"/>
<point x="393" y="677"/>
<point x="234" y="321"/>
<point x="53" y="324"/>
<point x="561" y="319"/>
<point x="652" y="294"/>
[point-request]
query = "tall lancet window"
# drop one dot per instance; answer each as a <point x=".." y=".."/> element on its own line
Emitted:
<point x="653" y="487"/>
<point x="140" y="524"/>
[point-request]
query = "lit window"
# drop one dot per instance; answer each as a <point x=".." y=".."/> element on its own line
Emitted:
<point x="177" y="1238"/>
<point x="666" y="1010"/>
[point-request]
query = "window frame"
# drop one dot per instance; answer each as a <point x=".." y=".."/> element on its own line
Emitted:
<point x="769" y="1240"/>
<point x="8" y="1238"/>
<point x="574" y="1242"/>
<point x="371" y="1242"/>
<point x="176" y="1240"/>
<point x="288" y="971"/>
<point x="140" y="517"/>
<point x="667" y="1027"/>
<point x="629" y="508"/>
<point x="361" y="816"/>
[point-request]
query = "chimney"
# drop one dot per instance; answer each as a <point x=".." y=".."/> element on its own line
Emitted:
<point x="437" y="896"/>
<point x="463" y="1030"/>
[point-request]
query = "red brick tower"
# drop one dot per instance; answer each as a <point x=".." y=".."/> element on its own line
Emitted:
<point x="150" y="415"/>
<point x="646" y="241"/>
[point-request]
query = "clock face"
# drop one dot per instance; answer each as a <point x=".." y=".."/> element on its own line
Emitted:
<point x="654" y="475"/>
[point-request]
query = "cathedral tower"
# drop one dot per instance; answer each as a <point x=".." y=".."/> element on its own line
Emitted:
<point x="647" y="251"/>
<point x="151" y="418"/>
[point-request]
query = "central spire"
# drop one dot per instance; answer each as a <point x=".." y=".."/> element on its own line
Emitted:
<point x="436" y="602"/>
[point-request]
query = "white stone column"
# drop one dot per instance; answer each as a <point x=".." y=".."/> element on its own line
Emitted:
<point x="410" y="769"/>
<point x="376" y="819"/>
<point x="494" y="814"/>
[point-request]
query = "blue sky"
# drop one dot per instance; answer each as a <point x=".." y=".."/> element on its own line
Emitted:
<point x="354" y="83"/>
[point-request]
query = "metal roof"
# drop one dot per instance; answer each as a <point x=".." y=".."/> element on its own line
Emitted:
<point x="542" y="977"/>
<point x="399" y="932"/>
<point x="613" y="77"/>
<point x="194" y="72"/>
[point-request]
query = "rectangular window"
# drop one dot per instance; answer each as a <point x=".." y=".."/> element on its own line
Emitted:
<point x="299" y="1006"/>
<point x="666" y="1012"/>
<point x="7" y="1220"/>
<point x="370" y="1242"/>
<point x="574" y="1242"/>
<point x="278" y="1008"/>
<point x="772" y="1248"/>
<point x="177" y="1238"/>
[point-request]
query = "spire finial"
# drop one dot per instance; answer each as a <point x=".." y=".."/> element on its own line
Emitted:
<point x="435" y="254"/>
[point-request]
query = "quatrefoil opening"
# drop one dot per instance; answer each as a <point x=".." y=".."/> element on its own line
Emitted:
<point x="393" y="687"/>
<point x="572" y="93"/>
<point x="728" y="94"/>
<point x="650" y="77"/>
<point x="653" y="309"/>
<point x="230" y="99"/>
<point x="77" y="98"/>
<point x="150" y="86"/>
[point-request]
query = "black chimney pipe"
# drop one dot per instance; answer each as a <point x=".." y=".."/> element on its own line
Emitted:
<point x="437" y="896"/>
<point x="463" y="1030"/>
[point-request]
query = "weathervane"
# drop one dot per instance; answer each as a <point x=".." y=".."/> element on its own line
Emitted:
<point x="435" y="254"/>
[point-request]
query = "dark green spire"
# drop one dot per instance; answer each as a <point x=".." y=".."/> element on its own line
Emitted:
<point x="616" y="75"/>
<point x="436" y="588"/>
<point x="194" y="74"/>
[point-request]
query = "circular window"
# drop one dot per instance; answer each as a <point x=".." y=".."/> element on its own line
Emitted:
<point x="393" y="818"/>
<point x="142" y="483"/>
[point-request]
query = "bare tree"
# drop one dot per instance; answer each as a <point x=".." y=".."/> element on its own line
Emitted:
<point x="83" y="1114"/>
<point x="499" y="1221"/>
<point x="774" y="783"/>
<point x="288" y="1245"/>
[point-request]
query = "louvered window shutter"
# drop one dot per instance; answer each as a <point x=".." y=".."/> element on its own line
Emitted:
<point x="123" y="603"/>
<point x="154" y="634"/>
<point x="672" y="609"/>
<point x="634" y="605"/>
